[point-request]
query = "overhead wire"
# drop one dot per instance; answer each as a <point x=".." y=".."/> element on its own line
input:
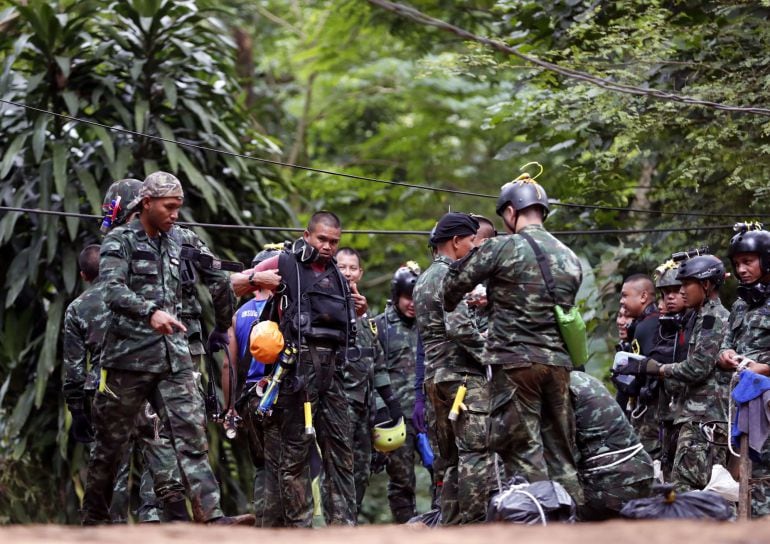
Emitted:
<point x="368" y="178"/>
<point x="423" y="18"/>
<point x="585" y="232"/>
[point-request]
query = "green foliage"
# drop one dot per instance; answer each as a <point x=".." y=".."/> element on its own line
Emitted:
<point x="161" y="67"/>
<point x="346" y="86"/>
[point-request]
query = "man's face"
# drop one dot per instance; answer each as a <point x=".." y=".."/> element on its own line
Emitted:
<point x="325" y="239"/>
<point x="485" y="232"/>
<point x="692" y="293"/>
<point x="350" y="267"/>
<point x="747" y="267"/>
<point x="672" y="299"/>
<point x="622" y="321"/>
<point x="464" y="245"/>
<point x="633" y="299"/>
<point x="406" y="306"/>
<point x="162" y="213"/>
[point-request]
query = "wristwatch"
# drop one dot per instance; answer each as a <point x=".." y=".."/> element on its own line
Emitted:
<point x="251" y="280"/>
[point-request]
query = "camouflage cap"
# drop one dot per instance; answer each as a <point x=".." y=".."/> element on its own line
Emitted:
<point x="159" y="185"/>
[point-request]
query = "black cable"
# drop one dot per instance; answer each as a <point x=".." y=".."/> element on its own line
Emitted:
<point x="593" y="232"/>
<point x="374" y="180"/>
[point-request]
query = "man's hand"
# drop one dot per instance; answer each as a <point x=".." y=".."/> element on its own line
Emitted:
<point x="758" y="368"/>
<point x="218" y="340"/>
<point x="165" y="323"/>
<point x="728" y="360"/>
<point x="249" y="281"/>
<point x="636" y="367"/>
<point x="359" y="300"/>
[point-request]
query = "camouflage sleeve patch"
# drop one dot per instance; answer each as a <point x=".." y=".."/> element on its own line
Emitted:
<point x="373" y="326"/>
<point x="708" y="322"/>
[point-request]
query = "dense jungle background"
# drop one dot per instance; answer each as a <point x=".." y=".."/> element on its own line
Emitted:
<point x="347" y="86"/>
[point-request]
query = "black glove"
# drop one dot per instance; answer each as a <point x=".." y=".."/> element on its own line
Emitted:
<point x="218" y="340"/>
<point x="379" y="460"/>
<point x="640" y="367"/>
<point x="81" y="426"/>
<point x="382" y="416"/>
<point x="394" y="409"/>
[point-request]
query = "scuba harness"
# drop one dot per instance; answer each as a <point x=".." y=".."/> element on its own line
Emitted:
<point x="293" y="308"/>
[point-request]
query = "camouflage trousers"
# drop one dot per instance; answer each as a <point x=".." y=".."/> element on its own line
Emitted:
<point x="177" y="401"/>
<point x="462" y="445"/>
<point x="289" y="501"/>
<point x="399" y="464"/>
<point x="695" y="456"/>
<point x="644" y="419"/>
<point x="159" y="471"/>
<point x="256" y="438"/>
<point x="760" y="485"/>
<point x="532" y="425"/>
<point x="362" y="448"/>
<point x="439" y="465"/>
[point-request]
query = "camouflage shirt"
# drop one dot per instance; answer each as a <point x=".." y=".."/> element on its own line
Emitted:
<point x="217" y="282"/>
<point x="141" y="276"/>
<point x="398" y="338"/>
<point x="602" y="428"/>
<point x="85" y="322"/>
<point x="359" y="374"/>
<point x="522" y="324"/>
<point x="451" y="341"/>
<point x="748" y="331"/>
<point x="705" y="396"/>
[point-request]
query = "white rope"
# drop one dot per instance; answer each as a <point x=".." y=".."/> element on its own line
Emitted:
<point x="733" y="381"/>
<point x="519" y="489"/>
<point x="633" y="451"/>
<point x="537" y="504"/>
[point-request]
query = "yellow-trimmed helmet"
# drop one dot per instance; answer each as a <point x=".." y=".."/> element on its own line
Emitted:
<point x="389" y="436"/>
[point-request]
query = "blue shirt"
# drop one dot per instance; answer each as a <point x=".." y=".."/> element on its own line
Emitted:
<point x="244" y="318"/>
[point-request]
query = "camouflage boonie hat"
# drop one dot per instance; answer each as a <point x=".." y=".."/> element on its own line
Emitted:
<point x="160" y="185"/>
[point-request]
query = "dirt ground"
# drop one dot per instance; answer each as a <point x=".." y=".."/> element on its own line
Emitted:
<point x="614" y="532"/>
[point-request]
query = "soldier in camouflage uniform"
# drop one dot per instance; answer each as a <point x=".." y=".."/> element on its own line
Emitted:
<point x="453" y="356"/>
<point x="364" y="361"/>
<point x="612" y="464"/>
<point x="397" y="335"/>
<point x="747" y="334"/>
<point x="530" y="410"/>
<point x="85" y="325"/>
<point x="145" y="356"/>
<point x="704" y="400"/>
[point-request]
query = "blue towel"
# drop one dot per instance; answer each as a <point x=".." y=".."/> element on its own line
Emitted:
<point x="750" y="386"/>
<point x="752" y="415"/>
